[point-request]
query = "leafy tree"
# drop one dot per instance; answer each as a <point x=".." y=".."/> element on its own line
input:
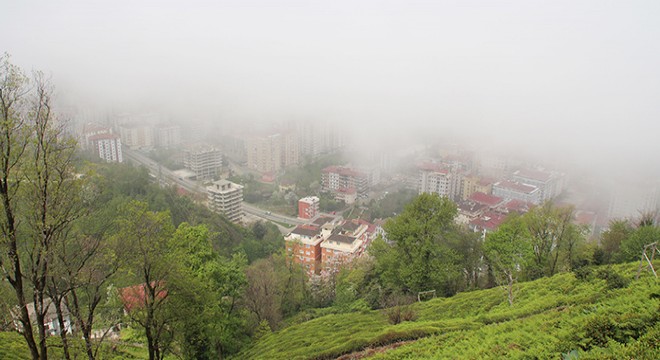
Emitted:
<point x="611" y="240"/>
<point x="632" y="247"/>
<point x="508" y="251"/>
<point x="38" y="194"/>
<point x="554" y="237"/>
<point x="146" y="236"/>
<point x="419" y="258"/>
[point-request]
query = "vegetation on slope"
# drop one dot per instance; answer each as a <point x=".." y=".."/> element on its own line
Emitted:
<point x="587" y="317"/>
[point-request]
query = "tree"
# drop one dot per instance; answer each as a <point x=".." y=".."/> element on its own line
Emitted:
<point x="263" y="296"/>
<point x="419" y="258"/>
<point x="508" y="250"/>
<point x="554" y="237"/>
<point x="618" y="231"/>
<point x="145" y="236"/>
<point x="38" y="194"/>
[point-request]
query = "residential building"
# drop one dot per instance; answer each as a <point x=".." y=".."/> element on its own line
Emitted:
<point x="51" y="322"/>
<point x="346" y="242"/>
<point x="264" y="153"/>
<point x="226" y="197"/>
<point x="205" y="161"/>
<point x="341" y="179"/>
<point x="168" y="135"/>
<point x="513" y="190"/>
<point x="439" y="179"/>
<point x="308" y="207"/>
<point x="550" y="184"/>
<point x="107" y="147"/>
<point x="489" y="221"/>
<point x="303" y="246"/>
<point x="137" y="136"/>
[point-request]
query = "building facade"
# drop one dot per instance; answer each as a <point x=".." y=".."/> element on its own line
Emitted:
<point x="513" y="190"/>
<point x="308" y="207"/>
<point x="204" y="161"/>
<point x="226" y="197"/>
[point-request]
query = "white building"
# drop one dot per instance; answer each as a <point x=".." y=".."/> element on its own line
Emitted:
<point x="107" y="147"/>
<point x="204" y="161"/>
<point x="550" y="184"/>
<point x="513" y="190"/>
<point x="226" y="197"/>
<point x="438" y="179"/>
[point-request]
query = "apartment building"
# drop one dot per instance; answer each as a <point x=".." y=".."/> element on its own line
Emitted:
<point x="226" y="197"/>
<point x="205" y="161"/>
<point x="513" y="190"/>
<point x="308" y="207"/>
<point x="550" y="184"/>
<point x="337" y="179"/>
<point x="439" y="179"/>
<point x="303" y="246"/>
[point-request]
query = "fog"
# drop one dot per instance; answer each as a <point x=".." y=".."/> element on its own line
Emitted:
<point x="575" y="81"/>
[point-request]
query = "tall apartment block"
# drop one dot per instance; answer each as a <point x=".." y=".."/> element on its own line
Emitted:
<point x="439" y="179"/>
<point x="226" y="197"/>
<point x="204" y="161"/>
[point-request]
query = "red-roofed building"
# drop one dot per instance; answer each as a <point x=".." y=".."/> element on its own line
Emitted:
<point x="308" y="207"/>
<point x="515" y="205"/>
<point x="135" y="297"/>
<point x="487" y="222"/>
<point x="491" y="201"/>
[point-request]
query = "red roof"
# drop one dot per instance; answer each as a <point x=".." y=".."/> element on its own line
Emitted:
<point x="489" y="221"/>
<point x="485" y="181"/>
<point x="585" y="217"/>
<point x="134" y="297"/>
<point x="485" y="199"/>
<point x="518" y="206"/>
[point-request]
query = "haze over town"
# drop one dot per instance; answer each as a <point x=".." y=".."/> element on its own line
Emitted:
<point x="572" y="84"/>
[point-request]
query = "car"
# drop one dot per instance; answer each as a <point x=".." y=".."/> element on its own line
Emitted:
<point x="268" y="212"/>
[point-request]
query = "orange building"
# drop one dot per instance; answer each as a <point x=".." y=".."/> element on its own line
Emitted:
<point x="303" y="246"/>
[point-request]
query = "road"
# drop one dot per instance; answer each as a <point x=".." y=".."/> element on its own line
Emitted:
<point x="163" y="173"/>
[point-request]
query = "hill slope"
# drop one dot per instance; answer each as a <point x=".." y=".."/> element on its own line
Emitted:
<point x="590" y="317"/>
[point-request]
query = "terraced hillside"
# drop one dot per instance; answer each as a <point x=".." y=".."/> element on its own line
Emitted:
<point x="600" y="313"/>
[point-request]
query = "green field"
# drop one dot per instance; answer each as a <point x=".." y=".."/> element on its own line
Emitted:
<point x="552" y="318"/>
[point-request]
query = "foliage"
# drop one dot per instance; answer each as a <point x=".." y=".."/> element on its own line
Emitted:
<point x="550" y="318"/>
<point x="420" y="257"/>
<point x="509" y="251"/>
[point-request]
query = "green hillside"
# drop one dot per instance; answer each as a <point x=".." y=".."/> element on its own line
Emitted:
<point x="600" y="315"/>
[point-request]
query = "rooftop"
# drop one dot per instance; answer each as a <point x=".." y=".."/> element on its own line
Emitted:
<point x="516" y="186"/>
<point x="533" y="174"/>
<point x="489" y="200"/>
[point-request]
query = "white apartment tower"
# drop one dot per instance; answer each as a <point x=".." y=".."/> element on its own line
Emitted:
<point x="226" y="197"/>
<point x="204" y="161"/>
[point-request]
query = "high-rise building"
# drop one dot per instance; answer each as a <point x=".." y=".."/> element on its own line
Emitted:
<point x="270" y="153"/>
<point x="204" y="161"/>
<point x="108" y="147"/>
<point x="137" y="136"/>
<point x="550" y="184"/>
<point x="439" y="179"/>
<point x="168" y="136"/>
<point x="226" y="197"/>
<point x="340" y="178"/>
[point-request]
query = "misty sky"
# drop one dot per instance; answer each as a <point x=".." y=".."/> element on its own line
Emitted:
<point x="576" y="75"/>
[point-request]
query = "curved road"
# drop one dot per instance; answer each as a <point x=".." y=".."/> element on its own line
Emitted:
<point x="160" y="171"/>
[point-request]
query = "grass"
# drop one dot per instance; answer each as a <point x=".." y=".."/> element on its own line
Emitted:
<point x="550" y="317"/>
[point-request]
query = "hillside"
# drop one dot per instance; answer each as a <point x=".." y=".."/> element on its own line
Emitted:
<point x="586" y="318"/>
